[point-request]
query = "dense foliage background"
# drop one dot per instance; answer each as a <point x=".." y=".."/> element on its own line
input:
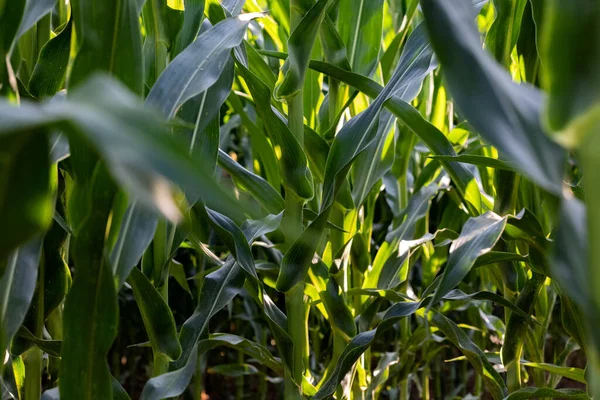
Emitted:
<point x="293" y="199"/>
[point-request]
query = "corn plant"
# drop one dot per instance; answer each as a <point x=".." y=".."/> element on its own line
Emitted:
<point x="350" y="199"/>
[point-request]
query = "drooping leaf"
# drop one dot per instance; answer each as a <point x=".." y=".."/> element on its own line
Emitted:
<point x="492" y="379"/>
<point x="359" y="344"/>
<point x="249" y="348"/>
<point x="538" y="393"/>
<point x="199" y="66"/>
<point x="17" y="283"/>
<point x="478" y="237"/>
<point x="171" y="384"/>
<point x="506" y="114"/>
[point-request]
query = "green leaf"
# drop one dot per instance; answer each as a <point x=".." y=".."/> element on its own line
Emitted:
<point x="478" y="236"/>
<point x="118" y="52"/>
<point x="540" y="393"/>
<point x="91" y="311"/>
<point x="217" y="290"/>
<point x="418" y="207"/>
<point x="570" y="32"/>
<point x="480" y="161"/>
<point x="135" y="235"/>
<point x="171" y="384"/>
<point x="17" y="285"/>
<point x="361" y="25"/>
<point x="502" y="36"/>
<point x="351" y="140"/>
<point x="133" y="142"/>
<point x="199" y="66"/>
<point x="492" y="379"/>
<point x="376" y="160"/>
<point x="26" y="183"/>
<point x="52" y="347"/>
<point x="49" y="73"/>
<point x="300" y="45"/>
<point x="255" y="185"/>
<point x="413" y="120"/>
<point x="485" y="295"/>
<point x="192" y="20"/>
<point x="506" y="114"/>
<point x="157" y="316"/>
<point x="34" y="11"/>
<point x="359" y="344"/>
<point x="249" y="348"/>
<point x="293" y="162"/>
<point x="575" y="374"/>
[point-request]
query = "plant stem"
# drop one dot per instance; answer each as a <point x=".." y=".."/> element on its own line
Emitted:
<point x="161" y="364"/>
<point x="32" y="359"/>
<point x="297" y="329"/>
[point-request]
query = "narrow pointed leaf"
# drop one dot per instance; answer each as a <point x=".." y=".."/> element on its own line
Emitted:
<point x="157" y="316"/>
<point x="505" y="113"/>
<point x="479" y="235"/>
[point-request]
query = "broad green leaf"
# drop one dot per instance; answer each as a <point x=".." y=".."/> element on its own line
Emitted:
<point x="192" y="20"/>
<point x="118" y="52"/>
<point x="221" y="286"/>
<point x="413" y="120"/>
<point x="249" y="348"/>
<point x="293" y="162"/>
<point x="359" y="344"/>
<point x="300" y="45"/>
<point x="52" y="347"/>
<point x="49" y="73"/>
<point x="478" y="236"/>
<point x="570" y="32"/>
<point x="171" y="384"/>
<point x="133" y="142"/>
<point x="492" y="257"/>
<point x="492" y="379"/>
<point x="484" y="295"/>
<point x="34" y="11"/>
<point x="26" y="186"/>
<point x="91" y="311"/>
<point x="417" y="208"/>
<point x="203" y="112"/>
<point x="540" y="393"/>
<point x="575" y="374"/>
<point x="255" y="185"/>
<point x="135" y="235"/>
<point x="199" y="66"/>
<point x="352" y="140"/>
<point x="506" y="114"/>
<point x="217" y="290"/>
<point x="360" y="25"/>
<point x="157" y="316"/>
<point x="480" y="161"/>
<point x="376" y="160"/>
<point x="156" y="43"/>
<point x="17" y="285"/>
<point x="503" y="35"/>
